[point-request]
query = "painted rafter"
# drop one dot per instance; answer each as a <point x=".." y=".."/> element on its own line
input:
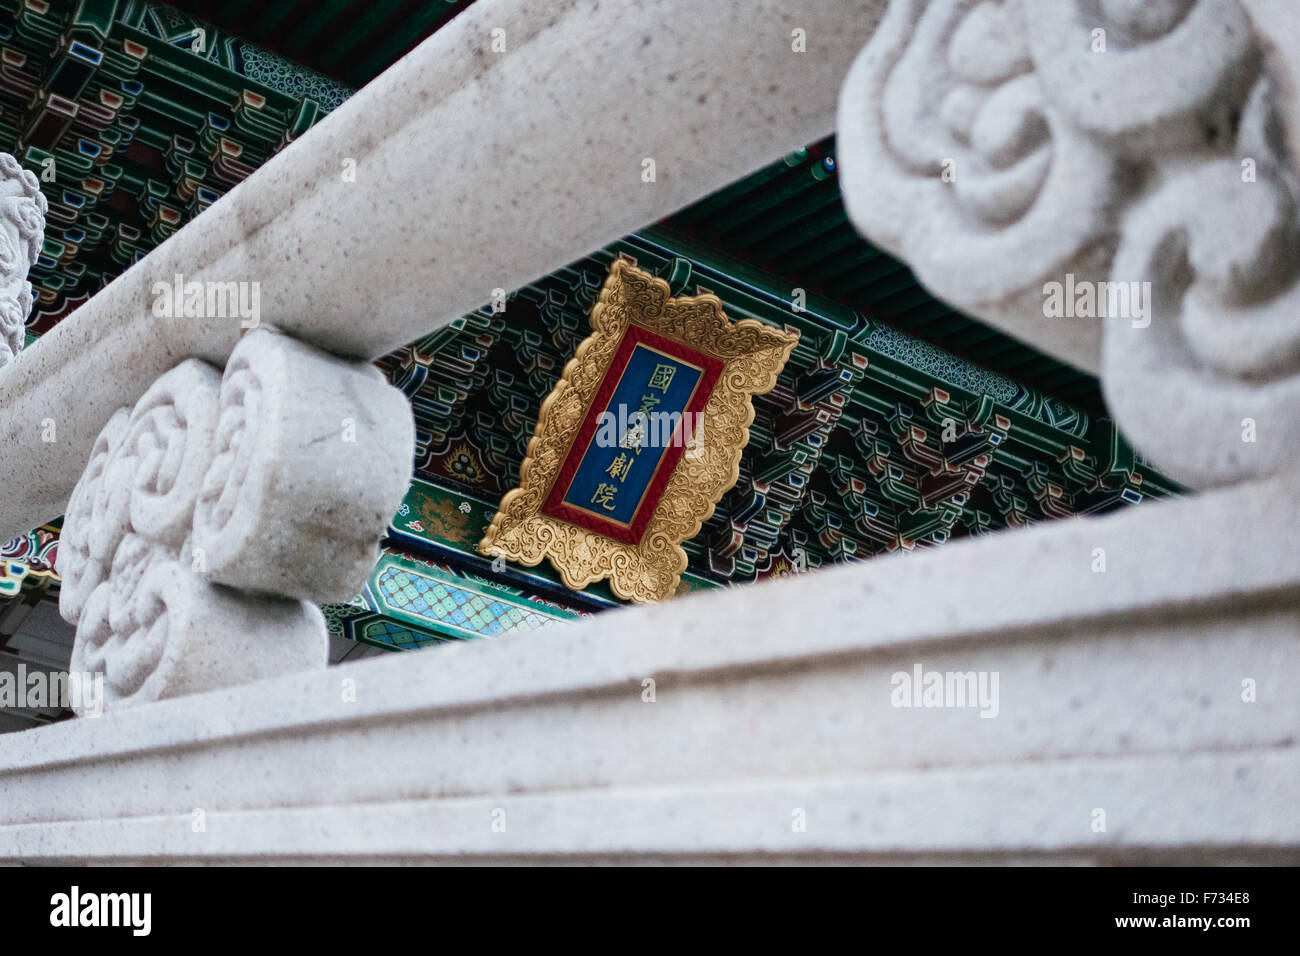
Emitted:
<point x="869" y="443"/>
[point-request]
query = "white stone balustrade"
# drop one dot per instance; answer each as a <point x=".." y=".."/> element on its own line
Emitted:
<point x="1135" y="152"/>
<point x="1152" y="692"/>
<point x="1120" y="692"/>
<point x="475" y="170"/>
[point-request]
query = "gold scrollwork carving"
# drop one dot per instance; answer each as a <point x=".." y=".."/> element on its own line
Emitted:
<point x="752" y="356"/>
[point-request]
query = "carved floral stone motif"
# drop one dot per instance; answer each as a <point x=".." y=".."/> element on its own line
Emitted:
<point x="1003" y="147"/>
<point x="214" y="513"/>
<point x="22" y="232"/>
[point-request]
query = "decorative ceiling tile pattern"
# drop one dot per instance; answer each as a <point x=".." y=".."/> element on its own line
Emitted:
<point x="897" y="424"/>
<point x="136" y="118"/>
<point x="872" y="441"/>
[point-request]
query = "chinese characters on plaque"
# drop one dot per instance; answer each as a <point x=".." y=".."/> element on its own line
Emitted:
<point x="639" y="439"/>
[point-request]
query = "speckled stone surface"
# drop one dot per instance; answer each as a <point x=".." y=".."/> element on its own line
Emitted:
<point x="213" y="512"/>
<point x="22" y="231"/>
<point x="474" y="170"/>
<point x="199" y="486"/>
<point x="1146" y="661"/>
<point x="312" y="457"/>
<point x="1136" y="153"/>
<point x="180" y="634"/>
<point x="1120" y="691"/>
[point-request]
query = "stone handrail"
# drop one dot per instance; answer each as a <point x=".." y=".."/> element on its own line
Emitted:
<point x="758" y="723"/>
<point x="209" y="499"/>
<point x="458" y="171"/>
<point x="1130" y="694"/>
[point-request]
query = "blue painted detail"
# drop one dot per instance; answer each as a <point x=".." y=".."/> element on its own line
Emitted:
<point x="604" y="487"/>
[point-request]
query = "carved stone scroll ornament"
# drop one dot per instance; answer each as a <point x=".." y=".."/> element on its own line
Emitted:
<point x="1005" y="145"/>
<point x="952" y="156"/>
<point x="313" y="456"/>
<point x="141" y="482"/>
<point x="170" y="633"/>
<point x="22" y="232"/>
<point x="315" y="471"/>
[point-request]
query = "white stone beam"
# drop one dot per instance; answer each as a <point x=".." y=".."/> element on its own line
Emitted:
<point x="475" y="169"/>
<point x="1212" y="808"/>
<point x="1121" y="690"/>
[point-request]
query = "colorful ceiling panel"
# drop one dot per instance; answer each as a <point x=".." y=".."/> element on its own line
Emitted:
<point x="136" y="118"/>
<point x="873" y="441"/>
<point x="897" y="424"/>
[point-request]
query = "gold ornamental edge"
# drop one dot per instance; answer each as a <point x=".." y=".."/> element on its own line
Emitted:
<point x="752" y="356"/>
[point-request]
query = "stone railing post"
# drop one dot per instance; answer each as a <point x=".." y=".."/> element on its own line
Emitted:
<point x="216" y="511"/>
<point x="1144" y="712"/>
<point x="22" y="231"/>
<point x="1112" y="184"/>
<point x="262" y="469"/>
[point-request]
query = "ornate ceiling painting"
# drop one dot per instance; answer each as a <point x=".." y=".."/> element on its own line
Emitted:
<point x="893" y="423"/>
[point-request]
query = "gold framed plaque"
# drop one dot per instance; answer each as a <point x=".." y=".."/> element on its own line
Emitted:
<point x="639" y="439"/>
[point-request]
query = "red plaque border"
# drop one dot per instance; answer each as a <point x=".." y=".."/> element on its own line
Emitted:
<point x="632" y="532"/>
